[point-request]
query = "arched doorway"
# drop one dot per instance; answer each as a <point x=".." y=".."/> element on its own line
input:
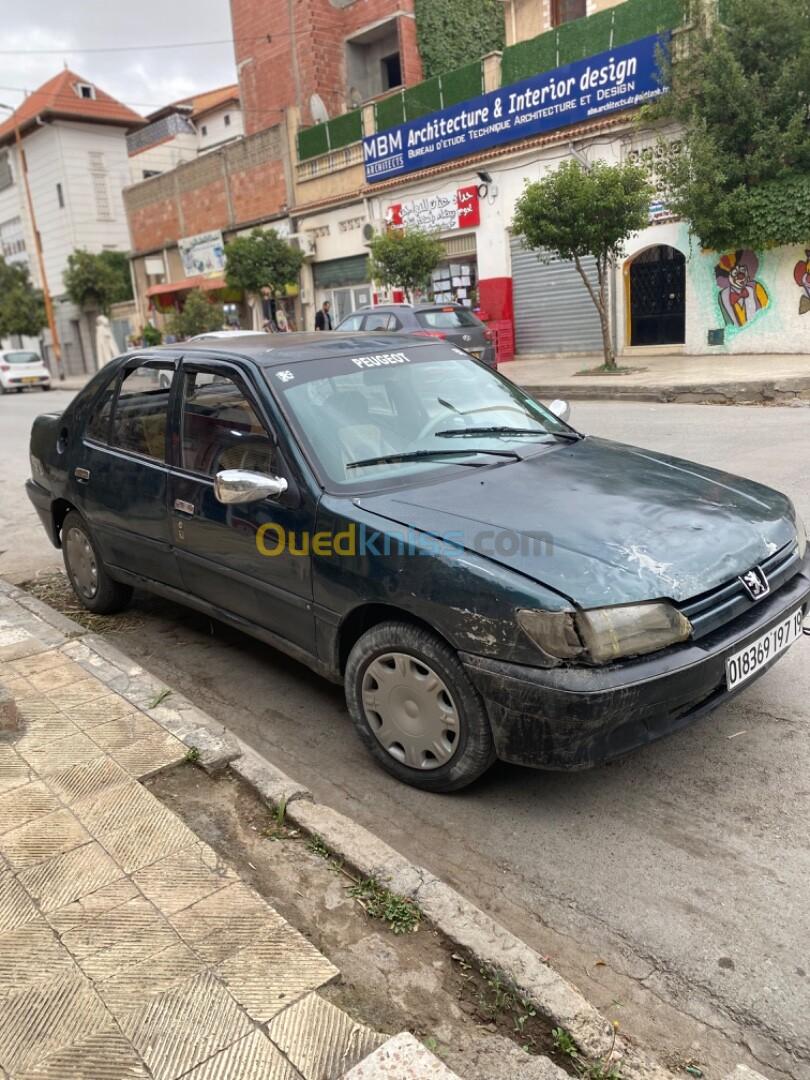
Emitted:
<point x="656" y="284"/>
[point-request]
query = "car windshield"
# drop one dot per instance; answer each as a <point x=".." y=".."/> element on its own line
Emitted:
<point x="446" y="318"/>
<point x="21" y="358"/>
<point x="432" y="407"/>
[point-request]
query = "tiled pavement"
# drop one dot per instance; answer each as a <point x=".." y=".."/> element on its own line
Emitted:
<point x="127" y="947"/>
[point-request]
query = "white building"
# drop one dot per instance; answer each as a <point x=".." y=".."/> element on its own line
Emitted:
<point x="74" y="139"/>
<point x="180" y="131"/>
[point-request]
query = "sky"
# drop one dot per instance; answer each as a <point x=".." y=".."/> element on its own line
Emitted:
<point x="143" y="77"/>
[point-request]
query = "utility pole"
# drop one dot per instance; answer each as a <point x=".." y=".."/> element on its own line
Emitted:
<point x="57" y="348"/>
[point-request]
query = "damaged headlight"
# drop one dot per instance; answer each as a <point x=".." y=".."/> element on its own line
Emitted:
<point x="602" y="635"/>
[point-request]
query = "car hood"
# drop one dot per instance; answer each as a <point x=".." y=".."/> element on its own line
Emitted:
<point x="622" y="524"/>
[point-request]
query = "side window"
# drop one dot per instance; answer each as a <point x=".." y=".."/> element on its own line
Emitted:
<point x="382" y="320"/>
<point x="139" y="421"/>
<point x="98" y="426"/>
<point x="353" y="322"/>
<point x="220" y="428"/>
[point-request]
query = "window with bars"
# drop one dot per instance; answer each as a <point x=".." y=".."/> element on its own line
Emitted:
<point x="653" y="159"/>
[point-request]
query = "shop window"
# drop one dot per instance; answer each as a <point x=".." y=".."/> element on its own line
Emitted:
<point x="563" y="11"/>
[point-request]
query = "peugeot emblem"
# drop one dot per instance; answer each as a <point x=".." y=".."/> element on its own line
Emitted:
<point x="755" y="583"/>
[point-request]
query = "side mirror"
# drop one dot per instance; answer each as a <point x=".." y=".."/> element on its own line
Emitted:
<point x="242" y="486"/>
<point x="560" y="408"/>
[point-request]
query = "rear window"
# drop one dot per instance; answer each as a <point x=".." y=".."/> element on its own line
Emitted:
<point x="446" y="318"/>
<point x="22" y="358"/>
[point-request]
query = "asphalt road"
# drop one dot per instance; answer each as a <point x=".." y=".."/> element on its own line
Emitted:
<point x="672" y="886"/>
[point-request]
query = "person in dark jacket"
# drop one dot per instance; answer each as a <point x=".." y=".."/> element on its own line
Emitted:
<point x="323" y="320"/>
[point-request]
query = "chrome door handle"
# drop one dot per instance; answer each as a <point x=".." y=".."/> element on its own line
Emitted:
<point x="184" y="507"/>
<point x="82" y="474"/>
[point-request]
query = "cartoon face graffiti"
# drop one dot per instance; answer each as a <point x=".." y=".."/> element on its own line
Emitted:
<point x="801" y="273"/>
<point x="741" y="295"/>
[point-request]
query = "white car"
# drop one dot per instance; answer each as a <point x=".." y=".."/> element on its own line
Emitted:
<point x="21" y="369"/>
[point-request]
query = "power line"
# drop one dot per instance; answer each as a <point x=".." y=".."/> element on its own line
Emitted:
<point x="68" y="98"/>
<point x="267" y="38"/>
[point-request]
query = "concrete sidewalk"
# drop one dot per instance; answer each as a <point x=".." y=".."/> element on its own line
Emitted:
<point x="718" y="379"/>
<point x="127" y="947"/>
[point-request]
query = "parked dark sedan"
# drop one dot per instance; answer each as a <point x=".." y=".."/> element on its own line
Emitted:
<point x="486" y="581"/>
<point x="445" y="322"/>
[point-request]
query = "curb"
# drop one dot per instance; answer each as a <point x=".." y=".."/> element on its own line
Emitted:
<point x="463" y="924"/>
<point x="763" y="392"/>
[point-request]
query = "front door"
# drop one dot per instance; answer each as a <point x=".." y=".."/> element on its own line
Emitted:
<point x="120" y="479"/>
<point x="658" y="297"/>
<point x="248" y="559"/>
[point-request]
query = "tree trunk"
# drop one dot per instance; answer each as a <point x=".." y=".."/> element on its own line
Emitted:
<point x="599" y="297"/>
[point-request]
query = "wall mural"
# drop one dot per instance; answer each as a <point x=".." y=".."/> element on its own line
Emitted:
<point x="741" y="295"/>
<point x="801" y="272"/>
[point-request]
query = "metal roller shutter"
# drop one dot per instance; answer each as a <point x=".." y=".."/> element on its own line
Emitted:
<point x="553" y="311"/>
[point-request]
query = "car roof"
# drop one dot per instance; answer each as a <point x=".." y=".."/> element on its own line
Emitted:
<point x="271" y="350"/>
<point x="423" y="306"/>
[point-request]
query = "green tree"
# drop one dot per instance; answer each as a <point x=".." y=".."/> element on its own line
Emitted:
<point x="404" y="259"/>
<point x="742" y="94"/>
<point x="575" y="213"/>
<point x="21" y="308"/>
<point x="198" y="316"/>
<point x="263" y="258"/>
<point x="98" y="280"/>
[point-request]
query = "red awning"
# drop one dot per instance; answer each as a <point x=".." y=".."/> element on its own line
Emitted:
<point x="207" y="284"/>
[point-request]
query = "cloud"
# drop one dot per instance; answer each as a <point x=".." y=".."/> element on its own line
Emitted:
<point x="144" y="79"/>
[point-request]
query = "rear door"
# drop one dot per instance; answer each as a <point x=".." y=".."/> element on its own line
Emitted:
<point x="119" y="477"/>
<point x="251" y="559"/>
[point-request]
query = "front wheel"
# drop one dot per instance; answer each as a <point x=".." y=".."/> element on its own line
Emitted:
<point x="92" y="584"/>
<point x="415" y="708"/>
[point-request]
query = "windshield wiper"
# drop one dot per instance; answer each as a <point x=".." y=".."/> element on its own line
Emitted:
<point x="420" y="455"/>
<point x="458" y="433"/>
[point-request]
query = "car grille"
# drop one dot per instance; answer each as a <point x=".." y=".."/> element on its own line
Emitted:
<point x="719" y="606"/>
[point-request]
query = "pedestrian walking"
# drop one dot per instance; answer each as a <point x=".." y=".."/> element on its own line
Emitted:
<point x="323" y="320"/>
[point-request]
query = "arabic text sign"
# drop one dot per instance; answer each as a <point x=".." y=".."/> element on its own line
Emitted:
<point x="617" y="79"/>
<point x="202" y="254"/>
<point x="437" y="213"/>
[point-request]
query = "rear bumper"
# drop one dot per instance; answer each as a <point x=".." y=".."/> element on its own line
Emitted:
<point x="575" y="718"/>
<point x="41" y="499"/>
<point x="21" y="381"/>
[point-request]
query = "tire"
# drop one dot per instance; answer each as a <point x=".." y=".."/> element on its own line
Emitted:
<point x="397" y="666"/>
<point x="91" y="583"/>
<point x="47" y="386"/>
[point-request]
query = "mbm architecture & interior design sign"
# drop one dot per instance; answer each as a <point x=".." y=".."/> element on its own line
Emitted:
<point x="608" y="82"/>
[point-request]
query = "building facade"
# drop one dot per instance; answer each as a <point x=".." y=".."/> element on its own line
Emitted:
<point x="570" y="79"/>
<point x="181" y="131"/>
<point x="74" y="140"/>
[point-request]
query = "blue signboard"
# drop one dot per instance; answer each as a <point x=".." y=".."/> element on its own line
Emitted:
<point x="613" y="80"/>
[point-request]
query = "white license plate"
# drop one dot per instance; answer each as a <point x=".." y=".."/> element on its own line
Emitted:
<point x="748" y="661"/>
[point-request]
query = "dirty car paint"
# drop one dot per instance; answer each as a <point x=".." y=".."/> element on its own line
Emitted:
<point x="626" y="525"/>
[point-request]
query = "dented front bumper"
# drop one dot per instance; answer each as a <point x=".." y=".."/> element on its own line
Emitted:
<point x="578" y="717"/>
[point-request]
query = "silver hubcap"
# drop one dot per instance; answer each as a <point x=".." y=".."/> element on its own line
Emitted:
<point x="410" y="711"/>
<point x="82" y="563"/>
